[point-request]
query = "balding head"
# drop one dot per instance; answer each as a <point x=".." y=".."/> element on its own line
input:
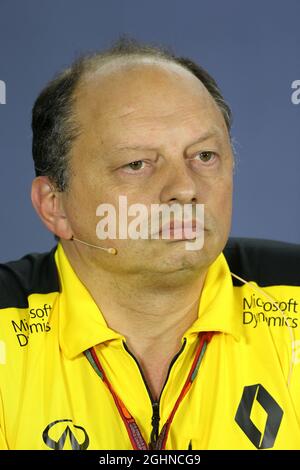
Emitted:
<point x="119" y="89"/>
<point x="54" y="122"/>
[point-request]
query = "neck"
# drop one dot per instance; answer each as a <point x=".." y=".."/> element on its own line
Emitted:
<point x="153" y="318"/>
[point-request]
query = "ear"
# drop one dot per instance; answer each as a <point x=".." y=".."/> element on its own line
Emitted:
<point x="49" y="205"/>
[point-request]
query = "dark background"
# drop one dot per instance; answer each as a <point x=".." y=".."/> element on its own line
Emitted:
<point x="252" y="48"/>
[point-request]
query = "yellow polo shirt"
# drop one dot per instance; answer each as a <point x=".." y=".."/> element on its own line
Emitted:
<point x="52" y="398"/>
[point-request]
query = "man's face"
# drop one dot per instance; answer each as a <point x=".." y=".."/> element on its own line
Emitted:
<point x="162" y="118"/>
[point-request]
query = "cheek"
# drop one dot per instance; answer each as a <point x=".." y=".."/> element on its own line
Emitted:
<point x="219" y="204"/>
<point x="81" y="209"/>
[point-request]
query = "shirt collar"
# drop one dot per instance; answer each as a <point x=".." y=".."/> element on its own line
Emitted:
<point x="218" y="308"/>
<point x="82" y="325"/>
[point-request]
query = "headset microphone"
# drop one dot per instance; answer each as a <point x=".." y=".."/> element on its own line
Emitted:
<point x="111" y="251"/>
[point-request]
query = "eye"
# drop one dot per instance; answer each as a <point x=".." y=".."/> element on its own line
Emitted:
<point x="135" y="166"/>
<point x="206" y="157"/>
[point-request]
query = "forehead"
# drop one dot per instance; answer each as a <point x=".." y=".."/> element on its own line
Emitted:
<point x="121" y="100"/>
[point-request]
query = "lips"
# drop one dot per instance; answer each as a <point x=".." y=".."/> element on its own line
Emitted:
<point x="181" y="230"/>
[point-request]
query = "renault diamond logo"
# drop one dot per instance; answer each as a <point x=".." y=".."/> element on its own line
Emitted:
<point x="65" y="436"/>
<point x="265" y="438"/>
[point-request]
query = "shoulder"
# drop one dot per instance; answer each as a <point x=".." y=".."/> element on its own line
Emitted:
<point x="267" y="262"/>
<point x="34" y="273"/>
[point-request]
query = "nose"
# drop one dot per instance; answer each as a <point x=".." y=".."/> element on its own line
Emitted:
<point x="179" y="186"/>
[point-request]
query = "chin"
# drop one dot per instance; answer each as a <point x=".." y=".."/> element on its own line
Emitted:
<point x="184" y="261"/>
<point x="171" y="257"/>
<point x="212" y="247"/>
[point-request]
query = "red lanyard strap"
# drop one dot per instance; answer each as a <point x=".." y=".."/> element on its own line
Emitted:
<point x="135" y="436"/>
<point x="134" y="433"/>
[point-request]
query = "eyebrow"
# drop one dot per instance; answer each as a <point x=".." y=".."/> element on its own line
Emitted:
<point x="207" y="135"/>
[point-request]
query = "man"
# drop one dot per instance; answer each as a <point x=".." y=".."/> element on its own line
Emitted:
<point x="144" y="344"/>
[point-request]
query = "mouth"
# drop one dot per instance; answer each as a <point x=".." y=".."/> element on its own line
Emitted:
<point x="181" y="230"/>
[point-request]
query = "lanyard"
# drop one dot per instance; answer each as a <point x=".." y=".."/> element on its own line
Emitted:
<point x="134" y="433"/>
